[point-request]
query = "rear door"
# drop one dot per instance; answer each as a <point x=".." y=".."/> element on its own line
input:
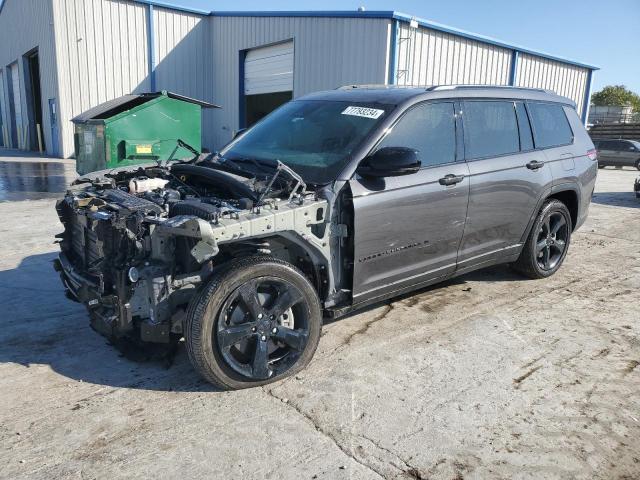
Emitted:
<point x="507" y="178"/>
<point x="628" y="153"/>
<point x="408" y="228"/>
<point x="607" y="153"/>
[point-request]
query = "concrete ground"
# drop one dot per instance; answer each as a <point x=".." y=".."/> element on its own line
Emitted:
<point x="488" y="376"/>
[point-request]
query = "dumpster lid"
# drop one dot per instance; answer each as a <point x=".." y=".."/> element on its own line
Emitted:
<point x="127" y="102"/>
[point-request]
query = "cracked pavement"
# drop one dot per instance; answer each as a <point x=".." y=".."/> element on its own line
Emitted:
<point x="486" y="376"/>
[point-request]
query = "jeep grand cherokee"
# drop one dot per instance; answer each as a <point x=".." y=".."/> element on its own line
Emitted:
<point x="335" y="200"/>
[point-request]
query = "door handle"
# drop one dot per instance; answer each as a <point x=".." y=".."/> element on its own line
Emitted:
<point x="451" y="179"/>
<point x="534" y="165"/>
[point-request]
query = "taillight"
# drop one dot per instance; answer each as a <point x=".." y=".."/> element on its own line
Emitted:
<point x="592" y="154"/>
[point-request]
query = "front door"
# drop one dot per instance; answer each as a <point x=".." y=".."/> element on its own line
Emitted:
<point x="408" y="228"/>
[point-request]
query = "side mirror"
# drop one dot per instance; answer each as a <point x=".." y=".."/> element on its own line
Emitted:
<point x="390" y="162"/>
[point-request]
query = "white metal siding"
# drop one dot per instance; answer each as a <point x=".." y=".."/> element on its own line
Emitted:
<point x="3" y="120"/>
<point x="17" y="105"/>
<point x="564" y="79"/>
<point x="24" y="25"/>
<point x="428" y="57"/>
<point x="329" y="52"/>
<point x="269" y="69"/>
<point x="182" y="58"/>
<point x="102" y="54"/>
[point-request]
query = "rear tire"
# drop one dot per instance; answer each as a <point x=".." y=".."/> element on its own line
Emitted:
<point x="256" y="322"/>
<point x="638" y="164"/>
<point x="548" y="242"/>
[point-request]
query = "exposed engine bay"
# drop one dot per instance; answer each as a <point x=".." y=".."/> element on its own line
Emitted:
<point x="139" y="242"/>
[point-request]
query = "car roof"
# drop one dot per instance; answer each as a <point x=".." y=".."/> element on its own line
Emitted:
<point x="395" y="95"/>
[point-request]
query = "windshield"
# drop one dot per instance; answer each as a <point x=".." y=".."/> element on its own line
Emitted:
<point x="313" y="137"/>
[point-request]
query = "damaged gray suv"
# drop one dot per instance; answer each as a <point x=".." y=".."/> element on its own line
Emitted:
<point x="334" y="201"/>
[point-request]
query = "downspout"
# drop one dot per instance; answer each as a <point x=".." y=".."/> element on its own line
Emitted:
<point x="393" y="52"/>
<point x="513" y="72"/>
<point x="152" y="48"/>
<point x="587" y="99"/>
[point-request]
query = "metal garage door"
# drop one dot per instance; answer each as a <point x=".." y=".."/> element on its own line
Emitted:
<point x="269" y="69"/>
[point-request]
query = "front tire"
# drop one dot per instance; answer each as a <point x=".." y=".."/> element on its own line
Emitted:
<point x="256" y="322"/>
<point x="548" y="242"/>
<point x="638" y="164"/>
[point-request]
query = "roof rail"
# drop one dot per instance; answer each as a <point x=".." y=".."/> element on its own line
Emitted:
<point x="437" y="88"/>
<point x="372" y="85"/>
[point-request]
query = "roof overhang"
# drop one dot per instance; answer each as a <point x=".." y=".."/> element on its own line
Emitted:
<point x="388" y="14"/>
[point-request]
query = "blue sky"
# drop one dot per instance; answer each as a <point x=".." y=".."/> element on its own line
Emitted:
<point x="605" y="33"/>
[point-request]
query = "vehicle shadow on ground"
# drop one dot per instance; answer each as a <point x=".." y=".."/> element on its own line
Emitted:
<point x="498" y="273"/>
<point x="616" y="199"/>
<point x="40" y="326"/>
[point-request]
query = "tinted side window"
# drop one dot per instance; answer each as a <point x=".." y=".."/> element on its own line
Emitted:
<point x="524" y="128"/>
<point x="490" y="129"/>
<point x="429" y="128"/>
<point x="550" y="125"/>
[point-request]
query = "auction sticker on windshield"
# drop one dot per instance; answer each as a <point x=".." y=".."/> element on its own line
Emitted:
<point x="363" y="112"/>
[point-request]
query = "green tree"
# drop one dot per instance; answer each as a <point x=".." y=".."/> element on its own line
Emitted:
<point x="616" y="95"/>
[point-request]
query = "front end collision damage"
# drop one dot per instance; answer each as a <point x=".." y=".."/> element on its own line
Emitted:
<point x="135" y="261"/>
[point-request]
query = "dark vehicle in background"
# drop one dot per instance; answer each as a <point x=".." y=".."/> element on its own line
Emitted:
<point x="636" y="187"/>
<point x="618" y="153"/>
<point x="334" y="201"/>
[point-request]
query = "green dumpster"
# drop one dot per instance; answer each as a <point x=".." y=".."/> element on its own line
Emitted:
<point x="138" y="128"/>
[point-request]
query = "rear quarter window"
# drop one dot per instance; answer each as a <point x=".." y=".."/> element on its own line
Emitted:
<point x="550" y="125"/>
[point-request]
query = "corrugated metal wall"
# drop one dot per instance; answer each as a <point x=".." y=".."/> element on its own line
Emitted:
<point x="183" y="61"/>
<point x="328" y="53"/>
<point x="94" y="50"/>
<point x="24" y="25"/>
<point x="428" y="57"/>
<point x="564" y="79"/>
<point x="102" y="54"/>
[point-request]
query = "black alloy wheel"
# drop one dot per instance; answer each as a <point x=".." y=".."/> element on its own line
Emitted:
<point x="548" y="242"/>
<point x="257" y="321"/>
<point x="262" y="329"/>
<point x="552" y="240"/>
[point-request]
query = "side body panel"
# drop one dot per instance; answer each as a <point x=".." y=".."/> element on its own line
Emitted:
<point x="606" y="153"/>
<point x="571" y="168"/>
<point x="407" y="229"/>
<point x="628" y="154"/>
<point x="502" y="196"/>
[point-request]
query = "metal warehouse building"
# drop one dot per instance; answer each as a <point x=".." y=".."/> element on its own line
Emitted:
<point x="59" y="58"/>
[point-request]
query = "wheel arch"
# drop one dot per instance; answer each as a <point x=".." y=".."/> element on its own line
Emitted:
<point x="292" y="248"/>
<point x="570" y="198"/>
<point x="567" y="193"/>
